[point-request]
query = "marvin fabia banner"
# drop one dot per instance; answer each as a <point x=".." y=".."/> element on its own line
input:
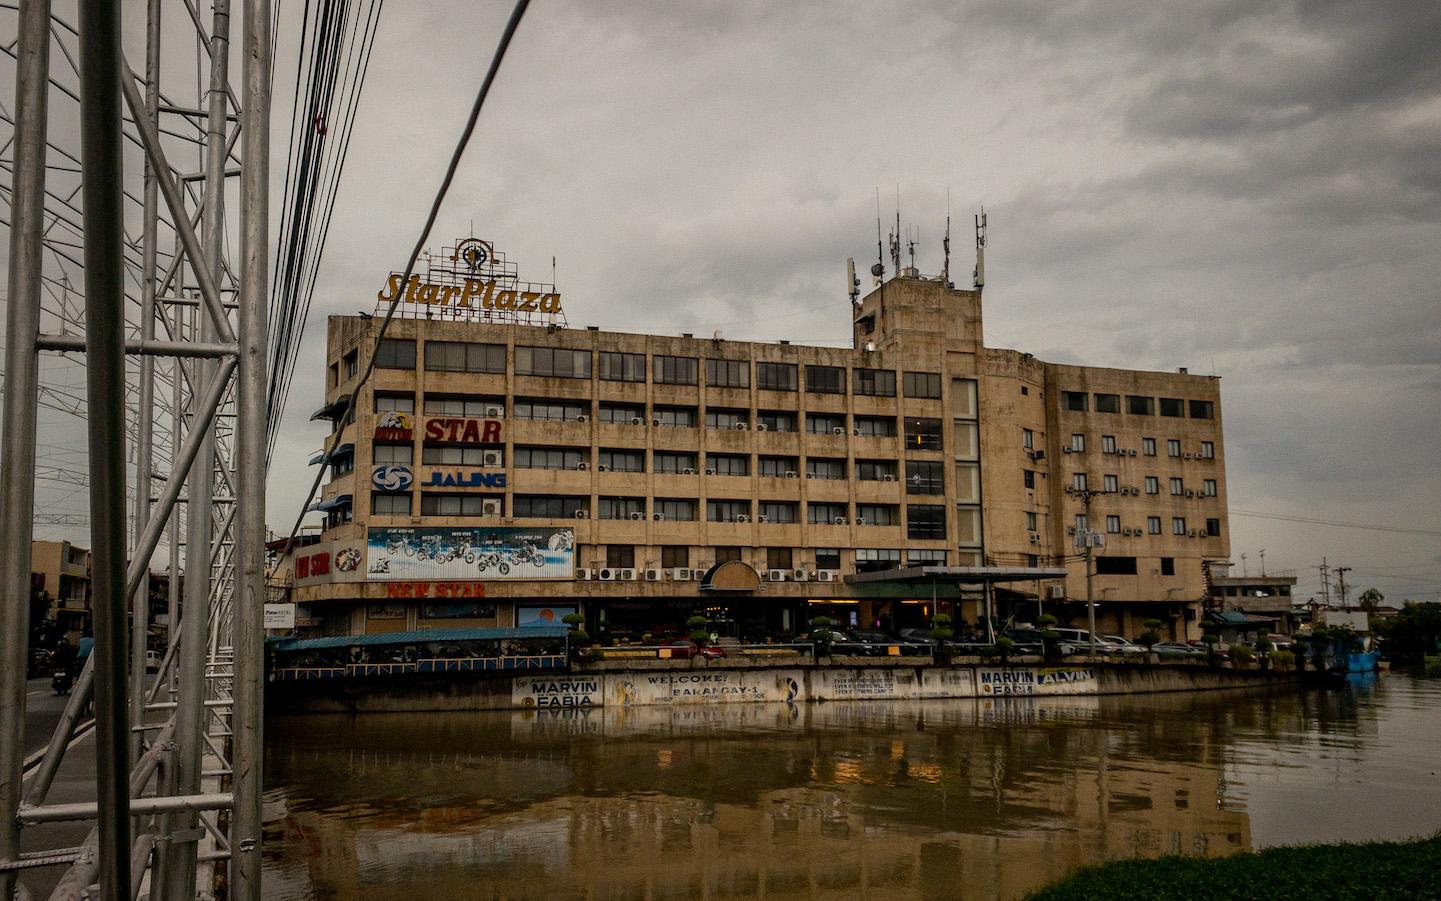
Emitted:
<point x="469" y="553"/>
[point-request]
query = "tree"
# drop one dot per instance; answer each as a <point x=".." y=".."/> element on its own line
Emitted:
<point x="1152" y="633"/>
<point x="1415" y="631"/>
<point x="1371" y="599"/>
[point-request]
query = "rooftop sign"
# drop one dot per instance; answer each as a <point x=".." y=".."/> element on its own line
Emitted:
<point x="471" y="282"/>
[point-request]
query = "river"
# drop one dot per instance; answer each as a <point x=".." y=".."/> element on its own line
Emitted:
<point x="922" y="800"/>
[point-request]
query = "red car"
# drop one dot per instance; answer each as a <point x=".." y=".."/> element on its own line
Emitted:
<point x="684" y="649"/>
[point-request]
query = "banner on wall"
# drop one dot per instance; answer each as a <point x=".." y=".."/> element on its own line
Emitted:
<point x="527" y="617"/>
<point x="329" y="561"/>
<point x="469" y="552"/>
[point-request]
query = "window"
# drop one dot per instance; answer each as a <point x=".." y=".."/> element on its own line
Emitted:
<point x="779" y="558"/>
<point x="876" y="515"/>
<point x="1078" y="481"/>
<point x="728" y="373"/>
<point x="1203" y="409"/>
<point x="776" y="421"/>
<point x="1140" y="406"/>
<point x="1113" y="525"/>
<point x="1032" y="522"/>
<point x="726" y="419"/>
<point x="925" y="477"/>
<point x="675" y="370"/>
<point x="728" y="464"/>
<point x="824" y="514"/>
<point x="462" y="356"/>
<point x="825" y="424"/>
<point x="869" y="560"/>
<point x="921" y="384"/>
<point x="1115" y="566"/>
<point x="623" y="460"/>
<point x="1168" y="566"/>
<point x="1178" y="525"/>
<point x="1208" y="488"/>
<point x="674" y="555"/>
<point x="394" y="454"/>
<point x="1153" y="525"/>
<point x="621" y="508"/>
<point x="620" y="556"/>
<point x="676" y="417"/>
<point x="1082" y="523"/>
<point x="923" y="434"/>
<point x="619" y="367"/>
<point x="395" y="403"/>
<point x="1153" y="485"/>
<point x="395" y="353"/>
<point x="1078" y="444"/>
<point x="923" y="557"/>
<point x="826" y="379"/>
<point x="1173" y="448"/>
<point x="390" y="504"/>
<point x="431" y="455"/>
<point x="1208" y="450"/>
<point x="876" y="426"/>
<point x="1178" y="487"/>
<point x="547" y="458"/>
<point x="676" y="509"/>
<point x="550" y="410"/>
<point x="776" y="376"/>
<point x="352" y="364"/>
<point x="778" y="511"/>
<point x="1108" y="403"/>
<point x="925" y="521"/>
<point x="621" y="414"/>
<point x="776" y="467"/>
<point x="673" y="461"/>
<point x="1110" y="484"/>
<point x="828" y="558"/>
<point x="726" y="511"/>
<point x="817" y="468"/>
<point x="340" y="463"/>
<point x="726" y="554"/>
<point x="875" y="470"/>
<point x="874" y="382"/>
<point x="1108" y="444"/>
<point x="557" y="362"/>
<point x="1030" y="478"/>
<point x="1172" y="406"/>
<point x="455" y="505"/>
<point x="1074" y="401"/>
<point x="1028" y="439"/>
<point x="1148" y="447"/>
<point x="539" y="506"/>
<point x="465" y="407"/>
<point x="1213" y="527"/>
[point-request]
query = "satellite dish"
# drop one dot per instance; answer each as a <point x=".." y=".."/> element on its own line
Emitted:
<point x="878" y="270"/>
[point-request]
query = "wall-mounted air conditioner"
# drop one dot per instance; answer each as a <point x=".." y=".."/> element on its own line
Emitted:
<point x="710" y="472"/>
<point x="655" y="422"/>
<point x="855" y="431"/>
<point x="779" y="575"/>
<point x="888" y="478"/>
<point x="582" y="418"/>
<point x="607" y="575"/>
<point x="839" y="521"/>
<point x="828" y="575"/>
<point x="490" y="507"/>
<point x="761" y="427"/>
<point x="791" y="474"/>
<point x="582" y="574"/>
<point x="582" y="466"/>
<point x="763" y="519"/>
<point x="687" y="472"/>
<point x="582" y="514"/>
<point x="1058" y="591"/>
<point x="658" y="517"/>
<point x="810" y="475"/>
<point x="1035" y="539"/>
<point x="652" y="575"/>
<point x="680" y="574"/>
<point x="494" y="412"/>
<point x="1067" y="449"/>
<point x="627" y="575"/>
<point x="637" y="516"/>
<point x="743" y="517"/>
<point x="838" y="430"/>
<point x="492" y="458"/>
<point x="800" y="575"/>
<point x="636" y="420"/>
<point x="741" y="426"/>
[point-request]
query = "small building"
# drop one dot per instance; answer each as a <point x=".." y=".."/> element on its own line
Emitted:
<point x="62" y="571"/>
<point x="1265" y="599"/>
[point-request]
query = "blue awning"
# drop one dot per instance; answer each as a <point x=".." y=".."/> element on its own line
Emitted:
<point x="344" y="450"/>
<point x="1229" y="617"/>
<point x="342" y="500"/>
<point x="416" y="636"/>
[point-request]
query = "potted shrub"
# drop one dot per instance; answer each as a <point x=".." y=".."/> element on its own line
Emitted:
<point x="1152" y="634"/>
<point x="941" y="633"/>
<point x="1050" y="638"/>
<point x="577" y="637"/>
<point x="822" y="636"/>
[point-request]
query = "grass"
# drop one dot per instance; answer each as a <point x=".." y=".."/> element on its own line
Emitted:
<point x="1372" y="871"/>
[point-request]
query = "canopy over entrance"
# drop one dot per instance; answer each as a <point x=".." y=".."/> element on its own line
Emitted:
<point x="959" y="575"/>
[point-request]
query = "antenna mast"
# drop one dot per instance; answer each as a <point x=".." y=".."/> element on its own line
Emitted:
<point x="978" y="277"/>
<point x="878" y="271"/>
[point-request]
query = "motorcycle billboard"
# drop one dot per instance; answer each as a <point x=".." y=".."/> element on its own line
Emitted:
<point x="469" y="553"/>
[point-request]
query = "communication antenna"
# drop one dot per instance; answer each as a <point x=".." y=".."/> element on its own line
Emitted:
<point x="946" y="244"/>
<point x="878" y="271"/>
<point x="978" y="277"/>
<point x="896" y="235"/>
<point x="911" y="244"/>
<point x="853" y="284"/>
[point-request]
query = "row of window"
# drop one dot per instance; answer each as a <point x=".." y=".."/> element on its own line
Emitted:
<point x="1112" y="485"/>
<point x="1153" y="525"/>
<point x="623" y="556"/>
<point x="1077" y="445"/>
<point x="1135" y="405"/>
<point x="458" y="356"/>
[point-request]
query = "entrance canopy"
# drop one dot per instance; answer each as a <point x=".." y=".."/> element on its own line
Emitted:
<point x="958" y="575"/>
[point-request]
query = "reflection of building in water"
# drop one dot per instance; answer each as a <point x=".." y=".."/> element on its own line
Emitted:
<point x="922" y="800"/>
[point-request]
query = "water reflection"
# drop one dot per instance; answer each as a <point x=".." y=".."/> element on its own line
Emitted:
<point x="905" y="800"/>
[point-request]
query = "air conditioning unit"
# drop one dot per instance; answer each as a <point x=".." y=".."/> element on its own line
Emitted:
<point x="761" y="427"/>
<point x="743" y="517"/>
<point x="1067" y="449"/>
<point x="1192" y="533"/>
<point x="492" y="458"/>
<point x="838" y="430"/>
<point x="791" y="474"/>
<point x="839" y="521"/>
<point x="1190" y="494"/>
<point x="602" y="468"/>
<point x="582" y="418"/>
<point x="687" y="472"/>
<point x="855" y="431"/>
<point x="582" y="466"/>
<point x="1069" y="489"/>
<point x="779" y="575"/>
<point x="810" y="475"/>
<point x="636" y="420"/>
<point x="710" y="472"/>
<point x="607" y="575"/>
<point x="1058" y="591"/>
<point x="888" y="478"/>
<point x="637" y="516"/>
<point x="490" y="507"/>
<point x="860" y="521"/>
<point x="1133" y="452"/>
<point x="582" y="514"/>
<point x="652" y="575"/>
<point x="763" y="519"/>
<point x="1070" y="530"/>
<point x="800" y="575"/>
<point x="1125" y="531"/>
<point x="698" y="575"/>
<point x="627" y="575"/>
<point x="1186" y="456"/>
<point x="680" y="574"/>
<point x="1125" y="491"/>
<point x="658" y="517"/>
<point x="1035" y="539"/>
<point x="582" y="574"/>
<point x="494" y="412"/>
<point x="828" y="575"/>
<point x="741" y="426"/>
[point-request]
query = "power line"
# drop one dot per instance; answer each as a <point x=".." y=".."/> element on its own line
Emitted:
<point x="1337" y="523"/>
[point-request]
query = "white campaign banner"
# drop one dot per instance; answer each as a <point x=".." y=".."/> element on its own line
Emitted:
<point x="861" y="684"/>
<point x="704" y="687"/>
<point x="1057" y="680"/>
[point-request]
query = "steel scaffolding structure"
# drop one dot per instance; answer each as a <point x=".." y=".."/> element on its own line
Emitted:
<point x="170" y="319"/>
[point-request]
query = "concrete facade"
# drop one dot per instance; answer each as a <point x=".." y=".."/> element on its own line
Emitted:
<point x="919" y="446"/>
<point x="62" y="571"/>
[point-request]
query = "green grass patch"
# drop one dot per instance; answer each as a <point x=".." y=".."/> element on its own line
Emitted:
<point x="1371" y="871"/>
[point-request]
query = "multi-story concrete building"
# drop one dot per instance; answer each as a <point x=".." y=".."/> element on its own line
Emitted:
<point x="62" y="572"/>
<point x="502" y="468"/>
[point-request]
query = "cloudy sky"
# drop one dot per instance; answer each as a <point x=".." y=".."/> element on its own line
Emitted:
<point x="1245" y="189"/>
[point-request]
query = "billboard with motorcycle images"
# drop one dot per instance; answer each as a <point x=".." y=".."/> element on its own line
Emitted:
<point x="469" y="553"/>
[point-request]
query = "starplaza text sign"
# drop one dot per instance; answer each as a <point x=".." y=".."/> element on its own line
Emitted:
<point x="473" y="294"/>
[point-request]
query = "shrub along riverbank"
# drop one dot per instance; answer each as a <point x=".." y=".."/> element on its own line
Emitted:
<point x="1373" y="871"/>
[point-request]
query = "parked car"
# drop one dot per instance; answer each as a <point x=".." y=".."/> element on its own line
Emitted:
<point x="883" y="642"/>
<point x="1116" y="644"/>
<point x="1026" y="641"/>
<point x="684" y="649"/>
<point x="1178" y="647"/>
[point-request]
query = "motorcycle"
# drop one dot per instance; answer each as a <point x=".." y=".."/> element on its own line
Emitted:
<point x="62" y="681"/>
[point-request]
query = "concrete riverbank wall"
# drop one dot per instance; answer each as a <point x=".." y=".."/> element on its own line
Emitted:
<point x="705" y="682"/>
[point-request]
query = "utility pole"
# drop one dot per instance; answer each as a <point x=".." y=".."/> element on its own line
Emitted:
<point x="1325" y="583"/>
<point x="1341" y="578"/>
<point x="1089" y="539"/>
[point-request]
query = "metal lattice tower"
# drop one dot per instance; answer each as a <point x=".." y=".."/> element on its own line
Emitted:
<point x="137" y="217"/>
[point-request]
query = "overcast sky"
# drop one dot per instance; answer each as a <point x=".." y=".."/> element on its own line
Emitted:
<point x="1245" y="189"/>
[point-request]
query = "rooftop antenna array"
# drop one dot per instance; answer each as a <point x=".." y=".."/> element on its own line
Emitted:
<point x="853" y="284"/>
<point x="878" y="271"/>
<point x="978" y="277"/>
<point x="946" y="245"/>
<point x="896" y="235"/>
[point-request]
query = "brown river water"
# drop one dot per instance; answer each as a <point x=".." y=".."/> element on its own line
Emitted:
<point x="922" y="800"/>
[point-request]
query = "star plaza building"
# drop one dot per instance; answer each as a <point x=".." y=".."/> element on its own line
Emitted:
<point x="502" y="469"/>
